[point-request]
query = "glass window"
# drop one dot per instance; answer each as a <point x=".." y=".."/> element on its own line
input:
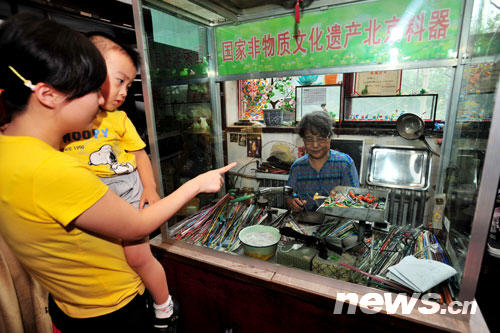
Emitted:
<point x="434" y="81"/>
<point x="471" y="130"/>
<point x="484" y="38"/>
<point x="184" y="120"/>
<point x="178" y="51"/>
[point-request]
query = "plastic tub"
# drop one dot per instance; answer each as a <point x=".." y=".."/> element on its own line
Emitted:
<point x="259" y="241"/>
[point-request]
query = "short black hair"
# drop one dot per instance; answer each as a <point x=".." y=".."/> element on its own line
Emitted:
<point x="128" y="49"/>
<point x="317" y="123"/>
<point x="44" y="51"/>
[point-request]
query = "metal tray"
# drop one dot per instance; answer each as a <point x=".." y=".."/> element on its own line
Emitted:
<point x="361" y="214"/>
<point x="399" y="167"/>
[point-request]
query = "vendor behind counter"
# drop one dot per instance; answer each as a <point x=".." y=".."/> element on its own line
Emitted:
<point x="322" y="168"/>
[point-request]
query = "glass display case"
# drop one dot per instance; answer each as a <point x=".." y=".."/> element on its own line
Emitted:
<point x="389" y="108"/>
<point x="182" y="118"/>
<point x="186" y="117"/>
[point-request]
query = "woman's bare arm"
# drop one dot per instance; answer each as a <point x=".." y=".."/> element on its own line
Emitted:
<point x="113" y="217"/>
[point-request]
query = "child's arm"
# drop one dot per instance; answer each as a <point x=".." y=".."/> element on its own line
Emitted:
<point x="145" y="169"/>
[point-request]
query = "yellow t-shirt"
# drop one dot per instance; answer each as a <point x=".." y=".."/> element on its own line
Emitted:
<point x="105" y="148"/>
<point x="41" y="191"/>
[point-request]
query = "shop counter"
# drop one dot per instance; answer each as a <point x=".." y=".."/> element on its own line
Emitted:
<point x="220" y="291"/>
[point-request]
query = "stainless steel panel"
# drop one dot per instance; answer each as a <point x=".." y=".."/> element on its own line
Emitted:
<point x="399" y="167"/>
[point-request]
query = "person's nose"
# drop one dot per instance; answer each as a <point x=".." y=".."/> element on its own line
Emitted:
<point x="123" y="92"/>
<point x="315" y="143"/>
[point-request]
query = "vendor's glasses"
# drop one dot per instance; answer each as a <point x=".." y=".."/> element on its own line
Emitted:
<point x="308" y="140"/>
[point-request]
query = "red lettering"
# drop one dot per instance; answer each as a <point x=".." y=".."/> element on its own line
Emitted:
<point x="391" y="24"/>
<point x="438" y="24"/>
<point x="299" y="39"/>
<point x="284" y="43"/>
<point x="240" y="50"/>
<point x="227" y="50"/>
<point x="352" y="30"/>
<point x="254" y="47"/>
<point x="333" y="37"/>
<point x="372" y="30"/>
<point x="416" y="27"/>
<point x="268" y="45"/>
<point x="314" y="39"/>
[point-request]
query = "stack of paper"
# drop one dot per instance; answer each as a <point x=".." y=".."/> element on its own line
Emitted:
<point x="420" y="274"/>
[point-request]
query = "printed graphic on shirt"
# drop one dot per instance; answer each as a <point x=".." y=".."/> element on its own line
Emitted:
<point x="76" y="136"/>
<point x="106" y="156"/>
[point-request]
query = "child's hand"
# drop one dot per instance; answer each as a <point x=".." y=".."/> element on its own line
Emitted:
<point x="149" y="196"/>
<point x="211" y="181"/>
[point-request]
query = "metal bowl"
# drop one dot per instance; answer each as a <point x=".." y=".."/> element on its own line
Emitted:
<point x="410" y="126"/>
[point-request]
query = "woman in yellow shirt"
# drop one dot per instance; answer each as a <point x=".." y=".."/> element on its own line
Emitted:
<point x="59" y="219"/>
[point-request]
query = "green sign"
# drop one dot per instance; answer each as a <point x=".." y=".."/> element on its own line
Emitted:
<point x="377" y="32"/>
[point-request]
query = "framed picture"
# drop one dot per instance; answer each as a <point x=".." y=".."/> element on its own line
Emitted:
<point x="233" y="137"/>
<point x="242" y="140"/>
<point x="317" y="98"/>
<point x="377" y="83"/>
<point x="254" y="146"/>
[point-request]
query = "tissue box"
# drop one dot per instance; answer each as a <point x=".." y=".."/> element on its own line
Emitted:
<point x="300" y="258"/>
<point x="331" y="267"/>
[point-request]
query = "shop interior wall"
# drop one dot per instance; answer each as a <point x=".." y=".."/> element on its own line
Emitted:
<point x="247" y="165"/>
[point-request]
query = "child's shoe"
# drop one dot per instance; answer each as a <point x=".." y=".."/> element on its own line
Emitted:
<point x="170" y="324"/>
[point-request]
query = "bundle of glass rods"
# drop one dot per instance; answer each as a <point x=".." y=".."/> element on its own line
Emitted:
<point x="342" y="229"/>
<point x="218" y="226"/>
<point x="381" y="253"/>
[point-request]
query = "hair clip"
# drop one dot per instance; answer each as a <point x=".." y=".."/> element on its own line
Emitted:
<point x="27" y="83"/>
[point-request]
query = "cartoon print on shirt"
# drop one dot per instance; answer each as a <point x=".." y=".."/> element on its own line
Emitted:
<point x="106" y="156"/>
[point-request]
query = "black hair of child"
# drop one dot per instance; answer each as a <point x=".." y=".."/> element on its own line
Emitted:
<point x="41" y="50"/>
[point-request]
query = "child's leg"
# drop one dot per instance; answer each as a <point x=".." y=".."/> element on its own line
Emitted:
<point x="141" y="260"/>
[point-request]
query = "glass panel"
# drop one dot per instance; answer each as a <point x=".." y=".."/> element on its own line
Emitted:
<point x="471" y="130"/>
<point x="178" y="53"/>
<point x="389" y="108"/>
<point x="484" y="38"/>
<point x="434" y="81"/>
<point x="183" y="112"/>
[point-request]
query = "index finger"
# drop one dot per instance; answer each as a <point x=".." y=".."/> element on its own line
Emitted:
<point x="226" y="168"/>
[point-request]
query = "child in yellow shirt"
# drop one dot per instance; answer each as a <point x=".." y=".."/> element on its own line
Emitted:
<point x="115" y="152"/>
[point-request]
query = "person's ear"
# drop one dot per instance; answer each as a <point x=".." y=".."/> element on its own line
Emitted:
<point x="47" y="95"/>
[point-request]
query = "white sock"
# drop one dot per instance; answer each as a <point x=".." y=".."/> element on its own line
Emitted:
<point x="164" y="310"/>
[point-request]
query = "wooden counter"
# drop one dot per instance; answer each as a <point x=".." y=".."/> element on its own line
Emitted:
<point x="220" y="291"/>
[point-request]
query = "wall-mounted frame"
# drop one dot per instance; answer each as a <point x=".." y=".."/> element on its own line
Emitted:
<point x="316" y="98"/>
<point x="375" y="83"/>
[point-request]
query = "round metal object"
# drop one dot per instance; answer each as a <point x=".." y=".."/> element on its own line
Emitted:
<point x="410" y="126"/>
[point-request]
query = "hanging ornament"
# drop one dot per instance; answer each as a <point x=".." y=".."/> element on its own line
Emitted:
<point x="297" y="12"/>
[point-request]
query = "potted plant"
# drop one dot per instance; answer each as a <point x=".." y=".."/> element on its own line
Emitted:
<point x="284" y="103"/>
